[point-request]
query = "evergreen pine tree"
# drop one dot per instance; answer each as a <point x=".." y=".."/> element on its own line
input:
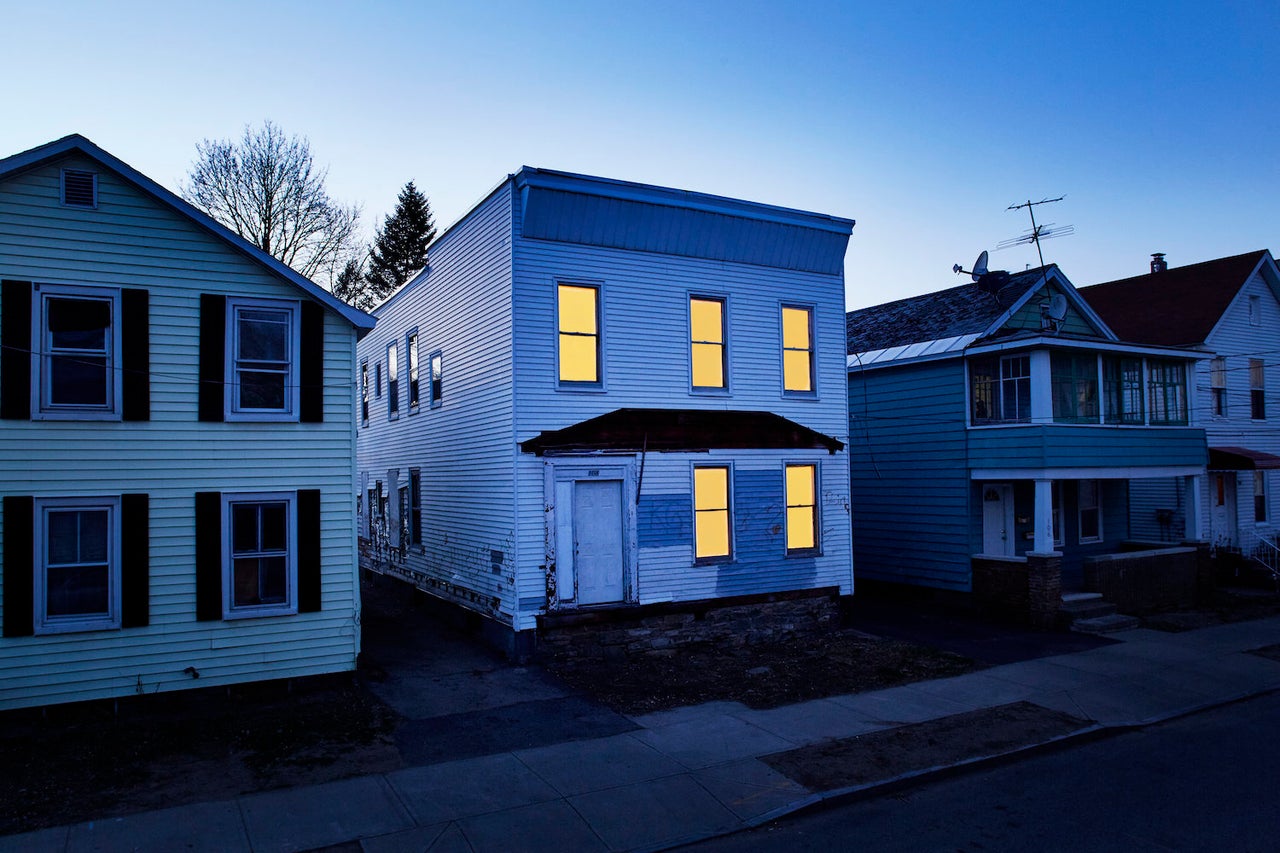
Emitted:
<point x="351" y="287"/>
<point x="400" y="248"/>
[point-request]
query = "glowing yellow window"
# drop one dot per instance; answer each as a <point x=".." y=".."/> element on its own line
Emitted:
<point x="802" y="516"/>
<point x="579" y="333"/>
<point x="711" y="512"/>
<point x="797" y="349"/>
<point x="706" y="332"/>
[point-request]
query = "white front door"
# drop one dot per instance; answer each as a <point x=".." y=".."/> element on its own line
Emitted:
<point x="1223" y="524"/>
<point x="597" y="541"/>
<point x="997" y="520"/>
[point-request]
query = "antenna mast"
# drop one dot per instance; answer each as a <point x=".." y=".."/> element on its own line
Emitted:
<point x="1037" y="232"/>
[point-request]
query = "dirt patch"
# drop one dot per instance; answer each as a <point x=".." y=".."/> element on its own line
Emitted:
<point x="763" y="675"/>
<point x="878" y="756"/>
<point x="1270" y="652"/>
<point x="1228" y="605"/>
<point x="104" y="759"/>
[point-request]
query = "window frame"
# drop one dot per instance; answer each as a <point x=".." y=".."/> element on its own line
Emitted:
<point x="435" y="368"/>
<point x="724" y="387"/>
<point x="812" y="350"/>
<point x="815" y="508"/>
<point x="1255" y="310"/>
<point x="599" y="383"/>
<point x="1218" y="387"/>
<point x="42" y="406"/>
<point x="1081" y="509"/>
<point x="1257" y="389"/>
<point x="727" y="467"/>
<point x="364" y="393"/>
<point x="41" y="621"/>
<point x="1160" y="387"/>
<point x="415" y="507"/>
<point x="1118" y="389"/>
<point x="988" y="373"/>
<point x="393" y="380"/>
<point x="289" y="607"/>
<point x="292" y="382"/>
<point x="411" y="356"/>
<point x="377" y="380"/>
<point x="1261" y="505"/>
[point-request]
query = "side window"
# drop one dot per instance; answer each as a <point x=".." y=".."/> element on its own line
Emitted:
<point x="77" y="560"/>
<point x="708" y="355"/>
<point x="78" y="342"/>
<point x="797" y="349"/>
<point x="411" y="347"/>
<point x="1257" y="389"/>
<point x="377" y="380"/>
<point x="802" y="508"/>
<point x="260" y="551"/>
<point x="1255" y="310"/>
<point x="712" y="513"/>
<point x="1260" y="496"/>
<point x="437" y="378"/>
<point x="578" y="322"/>
<point x="415" y="506"/>
<point x="364" y="393"/>
<point x="1089" y="502"/>
<point x="262" y="359"/>
<point x="393" y="381"/>
<point x="1218" y="386"/>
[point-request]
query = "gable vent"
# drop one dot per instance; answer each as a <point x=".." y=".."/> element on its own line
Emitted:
<point x="79" y="189"/>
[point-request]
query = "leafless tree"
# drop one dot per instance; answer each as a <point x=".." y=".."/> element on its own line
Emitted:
<point x="268" y="190"/>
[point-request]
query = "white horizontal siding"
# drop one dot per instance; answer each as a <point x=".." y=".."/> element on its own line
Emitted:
<point x="132" y="241"/>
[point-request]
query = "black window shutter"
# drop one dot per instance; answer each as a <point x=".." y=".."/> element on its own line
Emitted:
<point x="15" y="355"/>
<point x="19" y="563"/>
<point x="308" y="550"/>
<point x="136" y="343"/>
<point x="208" y="556"/>
<point x="213" y="354"/>
<point x="311" y="371"/>
<point x="135" y="556"/>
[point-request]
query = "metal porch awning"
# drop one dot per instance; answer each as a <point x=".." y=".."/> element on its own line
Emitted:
<point x="1241" y="459"/>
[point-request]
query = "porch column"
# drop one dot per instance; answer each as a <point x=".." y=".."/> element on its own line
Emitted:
<point x="1043" y="517"/>
<point x="1195" y="507"/>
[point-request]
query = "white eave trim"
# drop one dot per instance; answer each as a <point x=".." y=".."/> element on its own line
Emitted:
<point x="1043" y="341"/>
<point x="1131" y="472"/>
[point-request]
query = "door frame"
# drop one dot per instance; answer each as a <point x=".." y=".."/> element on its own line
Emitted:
<point x="1006" y="495"/>
<point x="1230" y="507"/>
<point x="559" y="475"/>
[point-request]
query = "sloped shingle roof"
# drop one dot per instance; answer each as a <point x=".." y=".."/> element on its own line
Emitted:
<point x="1177" y="307"/>
<point x="963" y="310"/>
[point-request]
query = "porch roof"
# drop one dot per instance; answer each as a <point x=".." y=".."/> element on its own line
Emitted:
<point x="681" y="429"/>
<point x="1241" y="459"/>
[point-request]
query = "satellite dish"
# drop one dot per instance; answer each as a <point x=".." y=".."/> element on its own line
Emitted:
<point x="1058" y="307"/>
<point x="979" y="267"/>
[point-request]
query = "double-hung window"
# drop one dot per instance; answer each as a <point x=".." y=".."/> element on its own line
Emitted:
<point x="802" y="508"/>
<point x="263" y="343"/>
<point x="364" y="392"/>
<point x="712" y="514"/>
<point x="1122" y="389"/>
<point x="1089" y="505"/>
<point x="411" y="347"/>
<point x="261" y="545"/>
<point x="393" y="381"/>
<point x="437" y="378"/>
<point x="1260" y="496"/>
<point x="797" y="349"/>
<point x="1257" y="389"/>
<point x="1218" y="386"/>
<point x="578" y="322"/>
<point x="415" y="506"/>
<point x="707" y="351"/>
<point x="77" y="369"/>
<point x="1167" y="381"/>
<point x="77" y="563"/>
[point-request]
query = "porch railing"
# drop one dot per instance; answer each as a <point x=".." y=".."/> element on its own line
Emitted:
<point x="1266" y="553"/>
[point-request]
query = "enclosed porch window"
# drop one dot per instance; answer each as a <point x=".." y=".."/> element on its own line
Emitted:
<point x="1122" y="386"/>
<point x="1001" y="389"/>
<point x="1168" y="385"/>
<point x="1075" y="388"/>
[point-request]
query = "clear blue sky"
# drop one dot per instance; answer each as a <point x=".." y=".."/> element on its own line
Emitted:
<point x="922" y="121"/>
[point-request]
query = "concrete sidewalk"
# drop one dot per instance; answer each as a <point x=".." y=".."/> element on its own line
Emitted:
<point x="685" y="774"/>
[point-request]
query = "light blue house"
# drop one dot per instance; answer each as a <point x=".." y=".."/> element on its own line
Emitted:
<point x="604" y="396"/>
<point x="1003" y="420"/>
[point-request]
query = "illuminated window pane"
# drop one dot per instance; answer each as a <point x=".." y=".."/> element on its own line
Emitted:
<point x="799" y="528"/>
<point x="578" y="309"/>
<point x="797" y="349"/>
<point x="711" y="488"/>
<point x="712" y="523"/>
<point x="578" y="359"/>
<point x="579" y="327"/>
<point x="706" y="319"/>
<point x="708" y="366"/>
<point x="713" y="533"/>
<point x="801" y="508"/>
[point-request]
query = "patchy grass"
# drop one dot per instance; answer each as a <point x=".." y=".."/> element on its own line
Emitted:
<point x="1228" y="605"/>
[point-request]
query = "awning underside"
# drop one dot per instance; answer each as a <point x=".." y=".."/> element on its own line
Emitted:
<point x="1241" y="459"/>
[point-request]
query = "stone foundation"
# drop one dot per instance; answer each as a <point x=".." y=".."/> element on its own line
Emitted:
<point x="1146" y="581"/>
<point x="662" y="629"/>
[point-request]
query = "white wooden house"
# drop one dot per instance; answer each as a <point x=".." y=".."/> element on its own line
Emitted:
<point x="176" y="444"/>
<point x="606" y="395"/>
<point x="1229" y="309"/>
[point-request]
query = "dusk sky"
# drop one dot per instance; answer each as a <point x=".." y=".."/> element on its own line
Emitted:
<point x="923" y="121"/>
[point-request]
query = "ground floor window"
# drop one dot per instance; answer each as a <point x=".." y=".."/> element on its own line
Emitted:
<point x="802" y="508"/>
<point x="713" y="539"/>
<point x="78" y="564"/>
<point x="1259" y="495"/>
<point x="1089" y="506"/>
<point x="260" y="547"/>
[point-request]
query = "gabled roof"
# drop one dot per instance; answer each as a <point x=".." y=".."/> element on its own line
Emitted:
<point x="952" y="319"/>
<point x="77" y="144"/>
<point x="1176" y="307"/>
<point x="658" y="430"/>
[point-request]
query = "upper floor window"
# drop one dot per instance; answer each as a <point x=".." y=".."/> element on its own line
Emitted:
<point x="712" y="517"/>
<point x="1122" y="388"/>
<point x="377" y="380"/>
<point x="797" y="349"/>
<point x="364" y="392"/>
<point x="1255" y="310"/>
<point x="1168" y="384"/>
<point x="802" y="508"/>
<point x="76" y="371"/>
<point x="262" y="359"/>
<point x="578" y="319"/>
<point x="411" y="346"/>
<point x="77" y="564"/>
<point x="1075" y="387"/>
<point x="1001" y="389"/>
<point x="1218" y="386"/>
<point x="707" y="351"/>
<point x="1257" y="389"/>
<point x="437" y="378"/>
<point x="393" y="381"/>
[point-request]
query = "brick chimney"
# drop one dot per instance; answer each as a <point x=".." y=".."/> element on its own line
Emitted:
<point x="1157" y="262"/>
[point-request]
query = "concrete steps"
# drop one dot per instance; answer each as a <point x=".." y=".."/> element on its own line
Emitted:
<point x="1090" y="613"/>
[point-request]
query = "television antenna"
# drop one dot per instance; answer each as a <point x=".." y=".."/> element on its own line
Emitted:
<point x="1037" y="232"/>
